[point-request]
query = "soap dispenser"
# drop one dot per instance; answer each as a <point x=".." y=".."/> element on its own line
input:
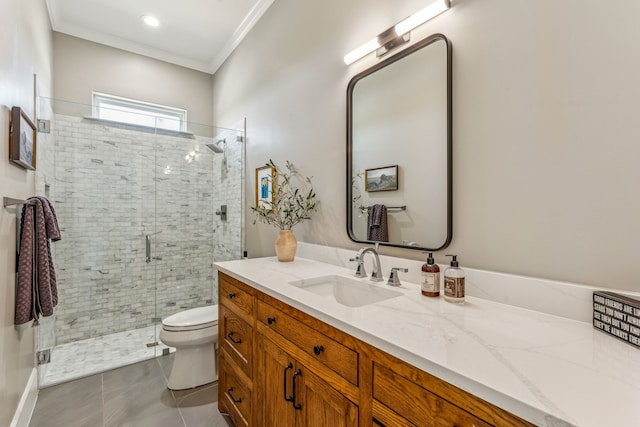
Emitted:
<point x="454" y="282"/>
<point x="430" y="277"/>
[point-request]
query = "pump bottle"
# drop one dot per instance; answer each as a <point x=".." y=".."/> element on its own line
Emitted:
<point x="454" y="282"/>
<point x="430" y="278"/>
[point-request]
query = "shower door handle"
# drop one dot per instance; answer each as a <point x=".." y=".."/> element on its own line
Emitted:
<point x="148" y="247"/>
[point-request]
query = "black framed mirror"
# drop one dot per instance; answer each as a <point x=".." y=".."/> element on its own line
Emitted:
<point x="399" y="149"/>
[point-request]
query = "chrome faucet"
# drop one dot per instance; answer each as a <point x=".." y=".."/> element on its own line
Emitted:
<point x="376" y="275"/>
<point x="394" y="280"/>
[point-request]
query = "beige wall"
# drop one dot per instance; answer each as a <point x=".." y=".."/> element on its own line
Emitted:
<point x="81" y="67"/>
<point x="546" y="141"/>
<point x="25" y="49"/>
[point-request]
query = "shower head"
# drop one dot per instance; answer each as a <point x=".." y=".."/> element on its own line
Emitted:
<point x="216" y="147"/>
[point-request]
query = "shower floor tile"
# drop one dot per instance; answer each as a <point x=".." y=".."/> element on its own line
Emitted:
<point x="95" y="355"/>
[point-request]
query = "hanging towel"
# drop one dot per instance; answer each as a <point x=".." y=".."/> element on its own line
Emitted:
<point x="377" y="229"/>
<point x="36" y="290"/>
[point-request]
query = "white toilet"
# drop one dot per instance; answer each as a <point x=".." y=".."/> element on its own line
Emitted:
<point x="194" y="334"/>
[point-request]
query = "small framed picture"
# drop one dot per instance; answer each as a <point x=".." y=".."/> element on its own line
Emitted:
<point x="22" y="140"/>
<point x="264" y="186"/>
<point x="381" y="179"/>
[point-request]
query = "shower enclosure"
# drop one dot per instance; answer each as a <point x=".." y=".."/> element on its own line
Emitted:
<point x="140" y="211"/>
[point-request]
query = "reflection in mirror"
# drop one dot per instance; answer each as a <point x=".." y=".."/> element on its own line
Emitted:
<point x="399" y="149"/>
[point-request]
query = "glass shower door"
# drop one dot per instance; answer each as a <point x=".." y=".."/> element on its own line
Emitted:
<point x="196" y="174"/>
<point x="103" y="196"/>
<point x="118" y="190"/>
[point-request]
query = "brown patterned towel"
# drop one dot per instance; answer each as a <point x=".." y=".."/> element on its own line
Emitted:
<point x="377" y="229"/>
<point x="36" y="290"/>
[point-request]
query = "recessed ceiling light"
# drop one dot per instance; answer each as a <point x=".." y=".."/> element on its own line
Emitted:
<point x="150" y="20"/>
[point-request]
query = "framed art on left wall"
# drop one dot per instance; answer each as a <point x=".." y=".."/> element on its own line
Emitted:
<point x="22" y="139"/>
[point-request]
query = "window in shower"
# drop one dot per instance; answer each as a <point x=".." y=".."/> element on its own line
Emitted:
<point x="139" y="113"/>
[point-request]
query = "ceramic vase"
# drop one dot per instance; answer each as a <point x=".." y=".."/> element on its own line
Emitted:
<point x="286" y="245"/>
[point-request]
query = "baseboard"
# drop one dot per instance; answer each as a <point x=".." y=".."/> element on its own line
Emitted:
<point x="27" y="403"/>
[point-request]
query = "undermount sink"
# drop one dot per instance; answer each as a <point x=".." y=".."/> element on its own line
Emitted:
<point x="346" y="291"/>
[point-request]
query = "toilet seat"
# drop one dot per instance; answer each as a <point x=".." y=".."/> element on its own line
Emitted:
<point x="193" y="319"/>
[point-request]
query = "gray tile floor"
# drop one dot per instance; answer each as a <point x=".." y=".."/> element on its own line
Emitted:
<point x="135" y="395"/>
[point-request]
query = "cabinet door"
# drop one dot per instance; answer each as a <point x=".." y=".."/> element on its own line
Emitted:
<point x="315" y="402"/>
<point x="273" y="385"/>
<point x="234" y="395"/>
<point x="320" y="404"/>
<point x="236" y="337"/>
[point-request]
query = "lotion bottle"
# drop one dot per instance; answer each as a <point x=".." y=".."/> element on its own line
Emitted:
<point x="454" y="282"/>
<point x="430" y="278"/>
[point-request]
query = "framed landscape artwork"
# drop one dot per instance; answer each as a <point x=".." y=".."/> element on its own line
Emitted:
<point x="381" y="179"/>
<point x="22" y="139"/>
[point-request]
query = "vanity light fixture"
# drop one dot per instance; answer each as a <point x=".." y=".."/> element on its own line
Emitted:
<point x="151" y="21"/>
<point x="399" y="33"/>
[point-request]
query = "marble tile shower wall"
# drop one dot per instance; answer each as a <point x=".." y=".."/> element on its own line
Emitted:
<point x="115" y="185"/>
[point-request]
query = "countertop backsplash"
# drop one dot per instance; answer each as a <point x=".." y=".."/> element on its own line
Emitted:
<point x="569" y="300"/>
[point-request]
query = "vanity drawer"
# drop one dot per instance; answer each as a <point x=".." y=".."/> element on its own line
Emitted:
<point x="235" y="395"/>
<point x="415" y="403"/>
<point x="236" y="337"/>
<point x="332" y="354"/>
<point x="231" y="295"/>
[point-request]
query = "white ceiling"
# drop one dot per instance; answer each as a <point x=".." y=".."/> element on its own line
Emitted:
<point x="198" y="34"/>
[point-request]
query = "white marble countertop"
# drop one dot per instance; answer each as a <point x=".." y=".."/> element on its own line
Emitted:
<point x="549" y="370"/>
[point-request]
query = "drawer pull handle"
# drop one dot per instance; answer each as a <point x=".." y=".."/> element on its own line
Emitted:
<point x="287" y="398"/>
<point x="232" y="295"/>
<point x="298" y="373"/>
<point x="238" y="400"/>
<point x="271" y="320"/>
<point x="235" y="341"/>
<point x="317" y="349"/>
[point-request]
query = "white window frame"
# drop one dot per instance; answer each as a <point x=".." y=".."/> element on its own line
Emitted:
<point x="138" y="113"/>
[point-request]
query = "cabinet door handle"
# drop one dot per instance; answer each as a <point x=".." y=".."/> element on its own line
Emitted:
<point x="298" y="373"/>
<point x="286" y="368"/>
<point x="317" y="349"/>
<point x="235" y="341"/>
<point x="271" y="320"/>
<point x="232" y="295"/>
<point x="238" y="400"/>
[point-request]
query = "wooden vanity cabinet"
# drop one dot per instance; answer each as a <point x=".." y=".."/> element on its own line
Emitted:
<point x="235" y="341"/>
<point x="291" y="369"/>
<point x="234" y="393"/>
<point x="399" y="401"/>
<point x="308" y="374"/>
<point x="292" y="395"/>
<point x="304" y="336"/>
<point x="403" y="395"/>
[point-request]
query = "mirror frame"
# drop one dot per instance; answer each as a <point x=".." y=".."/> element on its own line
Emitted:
<point x="398" y="56"/>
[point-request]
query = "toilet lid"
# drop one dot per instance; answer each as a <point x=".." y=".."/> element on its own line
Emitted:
<point x="195" y="318"/>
